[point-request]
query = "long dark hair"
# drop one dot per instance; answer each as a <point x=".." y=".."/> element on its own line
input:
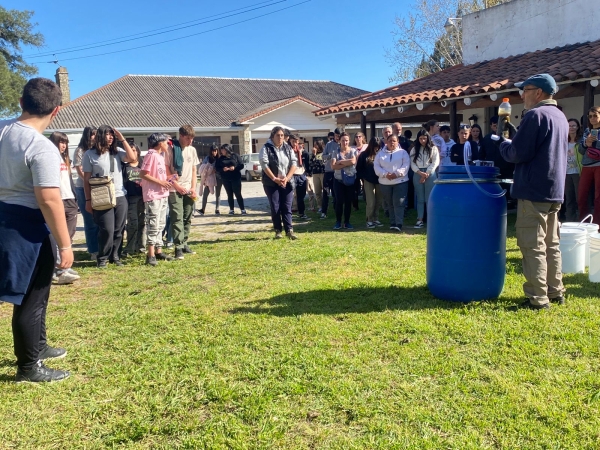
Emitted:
<point x="320" y="145"/>
<point x="372" y="149"/>
<point x="227" y="148"/>
<point x="579" y="132"/>
<point x="56" y="138"/>
<point x="211" y="158"/>
<point x="86" y="138"/>
<point x="101" y="144"/>
<point x="428" y="147"/>
<point x="480" y="133"/>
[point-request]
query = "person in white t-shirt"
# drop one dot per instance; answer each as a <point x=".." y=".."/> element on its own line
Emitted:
<point x="67" y="193"/>
<point x="182" y="161"/>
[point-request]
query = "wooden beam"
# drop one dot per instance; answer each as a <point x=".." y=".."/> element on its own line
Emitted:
<point x="363" y="124"/>
<point x="454" y="121"/>
<point x="588" y="102"/>
<point x="373" y="131"/>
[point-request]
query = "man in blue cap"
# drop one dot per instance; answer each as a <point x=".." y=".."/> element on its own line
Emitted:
<point x="538" y="152"/>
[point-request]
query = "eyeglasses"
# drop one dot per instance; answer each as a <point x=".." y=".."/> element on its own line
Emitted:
<point x="464" y="127"/>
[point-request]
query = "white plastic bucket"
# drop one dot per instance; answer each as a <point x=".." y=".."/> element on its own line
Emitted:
<point x="572" y="249"/>
<point x="594" y="258"/>
<point x="591" y="228"/>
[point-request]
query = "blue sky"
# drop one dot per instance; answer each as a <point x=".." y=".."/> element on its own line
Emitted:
<point x="337" y="40"/>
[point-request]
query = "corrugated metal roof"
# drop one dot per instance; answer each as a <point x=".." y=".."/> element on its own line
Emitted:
<point x="163" y="101"/>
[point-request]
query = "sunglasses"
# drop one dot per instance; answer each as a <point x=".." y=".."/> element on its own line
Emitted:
<point x="464" y="127"/>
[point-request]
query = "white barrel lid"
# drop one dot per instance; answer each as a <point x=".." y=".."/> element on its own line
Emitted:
<point x="590" y="227"/>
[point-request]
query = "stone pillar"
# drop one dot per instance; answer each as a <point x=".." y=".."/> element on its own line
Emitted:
<point x="62" y="79"/>
<point x="245" y="137"/>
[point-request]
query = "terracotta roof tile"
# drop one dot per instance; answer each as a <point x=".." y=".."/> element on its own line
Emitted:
<point x="570" y="62"/>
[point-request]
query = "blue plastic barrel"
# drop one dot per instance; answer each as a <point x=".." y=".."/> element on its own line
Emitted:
<point x="466" y="235"/>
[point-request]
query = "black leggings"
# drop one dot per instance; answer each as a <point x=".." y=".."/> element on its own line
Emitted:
<point x="29" y="318"/>
<point x="234" y="187"/>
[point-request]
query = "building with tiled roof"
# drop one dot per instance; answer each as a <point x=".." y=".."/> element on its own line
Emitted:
<point x="240" y="111"/>
<point x="474" y="90"/>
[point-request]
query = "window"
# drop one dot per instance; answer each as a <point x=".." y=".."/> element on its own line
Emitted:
<point x="203" y="144"/>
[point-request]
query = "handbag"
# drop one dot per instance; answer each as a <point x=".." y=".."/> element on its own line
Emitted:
<point x="593" y="153"/>
<point x="102" y="190"/>
<point x="348" y="180"/>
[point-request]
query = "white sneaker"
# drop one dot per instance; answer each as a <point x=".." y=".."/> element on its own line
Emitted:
<point x="419" y="224"/>
<point x="66" y="278"/>
<point x="323" y="216"/>
<point x="370" y="225"/>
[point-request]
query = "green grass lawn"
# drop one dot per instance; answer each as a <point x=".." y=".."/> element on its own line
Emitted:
<point x="329" y="342"/>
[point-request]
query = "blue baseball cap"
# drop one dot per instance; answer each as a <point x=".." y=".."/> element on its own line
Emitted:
<point x="543" y="81"/>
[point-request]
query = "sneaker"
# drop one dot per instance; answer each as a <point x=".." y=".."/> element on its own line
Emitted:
<point x="560" y="300"/>
<point x="151" y="261"/>
<point x="323" y="216"/>
<point x="527" y="304"/>
<point x="41" y="374"/>
<point x="319" y="211"/>
<point x="54" y="278"/>
<point x="187" y="249"/>
<point x="169" y="244"/>
<point x="66" y="278"/>
<point x="162" y="257"/>
<point x="303" y="217"/>
<point x="347" y="226"/>
<point x="178" y="253"/>
<point x="52" y="353"/>
<point x="419" y="224"/>
<point x="200" y="212"/>
<point x="217" y="213"/>
<point x="396" y="228"/>
<point x="278" y="235"/>
<point x="378" y="223"/>
<point x="102" y="264"/>
<point x="231" y="212"/>
<point x="290" y="234"/>
<point x="244" y="213"/>
<point x="72" y="272"/>
<point x="370" y="225"/>
<point x="337" y="226"/>
<point x="117" y="262"/>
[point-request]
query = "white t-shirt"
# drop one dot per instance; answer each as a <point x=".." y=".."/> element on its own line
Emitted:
<point x="27" y="160"/>
<point x="66" y="191"/>
<point x="190" y="161"/>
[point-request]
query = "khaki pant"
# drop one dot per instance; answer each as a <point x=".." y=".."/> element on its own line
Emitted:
<point x="318" y="187"/>
<point x="373" y="198"/>
<point x="538" y="239"/>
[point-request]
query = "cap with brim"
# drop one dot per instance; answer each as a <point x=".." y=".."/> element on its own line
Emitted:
<point x="543" y="81"/>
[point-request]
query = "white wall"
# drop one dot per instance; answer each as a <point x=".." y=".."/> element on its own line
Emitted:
<point x="297" y="116"/>
<point x="523" y="26"/>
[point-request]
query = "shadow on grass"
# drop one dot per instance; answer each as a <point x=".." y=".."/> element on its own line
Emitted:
<point x="352" y="300"/>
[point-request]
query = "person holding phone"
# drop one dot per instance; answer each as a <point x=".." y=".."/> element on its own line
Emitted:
<point x="590" y="170"/>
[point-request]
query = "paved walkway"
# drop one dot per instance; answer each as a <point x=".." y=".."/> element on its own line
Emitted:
<point x="210" y="226"/>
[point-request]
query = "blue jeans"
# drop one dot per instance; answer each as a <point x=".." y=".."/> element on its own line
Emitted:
<point x="423" y="190"/>
<point x="89" y="226"/>
<point x="395" y="197"/>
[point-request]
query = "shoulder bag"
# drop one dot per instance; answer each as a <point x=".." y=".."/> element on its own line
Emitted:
<point x="102" y="190"/>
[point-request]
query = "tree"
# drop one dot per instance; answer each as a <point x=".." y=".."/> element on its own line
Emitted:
<point x="422" y="45"/>
<point x="16" y="31"/>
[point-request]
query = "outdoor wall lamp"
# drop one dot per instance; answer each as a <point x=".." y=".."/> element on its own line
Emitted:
<point x="594" y="83"/>
<point x="452" y="23"/>
<point x="473" y="120"/>
<point x="494" y="97"/>
<point x="443" y="103"/>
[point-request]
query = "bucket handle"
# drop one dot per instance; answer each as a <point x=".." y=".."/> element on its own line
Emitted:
<point x="589" y="216"/>
<point x="577" y="242"/>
